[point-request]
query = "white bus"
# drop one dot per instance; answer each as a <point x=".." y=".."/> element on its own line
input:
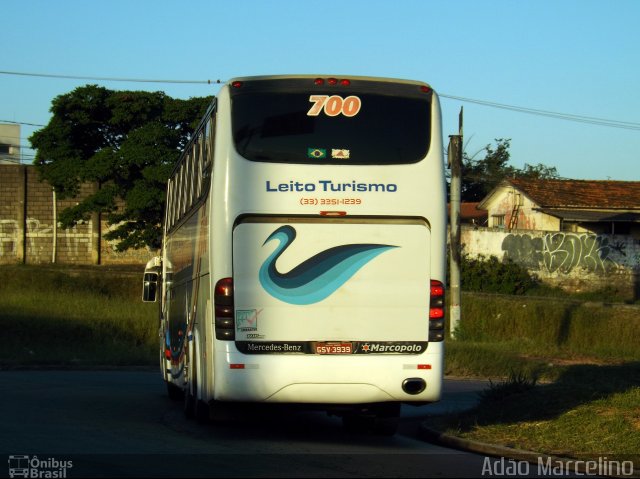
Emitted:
<point x="303" y="258"/>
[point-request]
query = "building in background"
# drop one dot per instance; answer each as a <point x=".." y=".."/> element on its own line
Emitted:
<point x="9" y="144"/>
<point x="470" y="214"/>
<point x="577" y="206"/>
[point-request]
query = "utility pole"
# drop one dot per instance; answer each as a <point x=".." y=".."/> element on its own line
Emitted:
<point x="455" y="165"/>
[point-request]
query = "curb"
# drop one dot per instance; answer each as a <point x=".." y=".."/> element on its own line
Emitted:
<point x="577" y="467"/>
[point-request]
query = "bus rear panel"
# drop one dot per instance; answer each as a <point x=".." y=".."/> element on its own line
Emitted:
<point x="337" y="215"/>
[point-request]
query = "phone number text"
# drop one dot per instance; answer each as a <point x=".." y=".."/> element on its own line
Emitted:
<point x="330" y="201"/>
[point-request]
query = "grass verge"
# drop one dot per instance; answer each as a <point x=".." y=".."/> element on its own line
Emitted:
<point x="566" y="376"/>
<point x="567" y="373"/>
<point x="54" y="317"/>
<point x="588" y="412"/>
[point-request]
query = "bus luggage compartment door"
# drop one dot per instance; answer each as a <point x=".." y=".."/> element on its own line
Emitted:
<point x="334" y="283"/>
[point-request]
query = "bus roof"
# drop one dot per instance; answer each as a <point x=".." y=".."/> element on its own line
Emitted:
<point x="339" y="77"/>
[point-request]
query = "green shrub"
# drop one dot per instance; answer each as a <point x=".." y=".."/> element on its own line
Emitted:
<point x="489" y="275"/>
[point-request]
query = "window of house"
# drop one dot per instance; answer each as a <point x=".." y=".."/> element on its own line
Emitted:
<point x="497" y="221"/>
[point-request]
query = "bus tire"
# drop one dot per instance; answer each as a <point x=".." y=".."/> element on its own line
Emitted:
<point x="357" y="423"/>
<point x="200" y="408"/>
<point x="195" y="408"/>
<point x="387" y="419"/>
<point x="386" y="426"/>
<point x="175" y="393"/>
<point x="201" y="411"/>
<point x="189" y="403"/>
<point x="382" y="420"/>
<point x="190" y="391"/>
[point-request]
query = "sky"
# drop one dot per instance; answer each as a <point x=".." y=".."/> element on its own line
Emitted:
<point x="573" y="57"/>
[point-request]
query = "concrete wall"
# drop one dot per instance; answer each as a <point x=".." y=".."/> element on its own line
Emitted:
<point x="12" y="212"/>
<point x="573" y="261"/>
<point x="29" y="232"/>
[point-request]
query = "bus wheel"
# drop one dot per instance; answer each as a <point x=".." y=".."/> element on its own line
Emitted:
<point x="382" y="420"/>
<point x="174" y="392"/>
<point x="387" y="419"/>
<point x="189" y="402"/>
<point x="357" y="423"/>
<point x="201" y="411"/>
<point x="190" y="391"/>
<point x="200" y="408"/>
<point x="194" y="407"/>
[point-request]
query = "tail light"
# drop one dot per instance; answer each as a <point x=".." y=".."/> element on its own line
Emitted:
<point x="436" y="311"/>
<point x="332" y="81"/>
<point x="224" y="311"/>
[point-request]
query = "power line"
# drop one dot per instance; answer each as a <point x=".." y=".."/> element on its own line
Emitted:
<point x="138" y="80"/>
<point x="628" y="125"/>
<point x="20" y="123"/>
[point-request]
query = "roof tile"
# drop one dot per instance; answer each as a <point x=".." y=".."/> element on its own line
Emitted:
<point x="580" y="193"/>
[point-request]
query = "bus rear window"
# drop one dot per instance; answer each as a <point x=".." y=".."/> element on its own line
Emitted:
<point x="339" y="127"/>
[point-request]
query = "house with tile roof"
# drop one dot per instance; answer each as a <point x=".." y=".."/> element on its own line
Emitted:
<point x="470" y="214"/>
<point x="579" y="206"/>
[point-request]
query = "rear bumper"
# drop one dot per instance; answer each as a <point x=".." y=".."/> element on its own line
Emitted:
<point x="327" y="379"/>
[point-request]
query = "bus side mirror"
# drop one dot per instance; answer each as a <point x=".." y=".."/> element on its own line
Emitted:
<point x="150" y="286"/>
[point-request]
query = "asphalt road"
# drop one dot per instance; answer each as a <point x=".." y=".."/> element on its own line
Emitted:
<point x="122" y="424"/>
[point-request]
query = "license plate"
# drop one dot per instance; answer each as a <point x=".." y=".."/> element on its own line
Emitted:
<point x="334" y="348"/>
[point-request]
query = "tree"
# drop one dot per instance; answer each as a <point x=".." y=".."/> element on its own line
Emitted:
<point x="127" y="143"/>
<point x="480" y="177"/>
<point x="538" y="171"/>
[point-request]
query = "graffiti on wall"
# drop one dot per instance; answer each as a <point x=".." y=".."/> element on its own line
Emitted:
<point x="523" y="250"/>
<point x="564" y="252"/>
<point x="76" y="243"/>
<point x="9" y="236"/>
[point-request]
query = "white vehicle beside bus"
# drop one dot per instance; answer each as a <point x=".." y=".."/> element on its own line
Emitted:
<point x="303" y="258"/>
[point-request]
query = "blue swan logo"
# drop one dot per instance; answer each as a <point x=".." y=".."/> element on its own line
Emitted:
<point x="317" y="277"/>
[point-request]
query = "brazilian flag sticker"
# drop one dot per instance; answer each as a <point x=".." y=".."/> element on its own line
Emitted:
<point x="317" y="153"/>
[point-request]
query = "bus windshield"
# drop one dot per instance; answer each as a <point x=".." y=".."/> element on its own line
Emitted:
<point x="383" y="124"/>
